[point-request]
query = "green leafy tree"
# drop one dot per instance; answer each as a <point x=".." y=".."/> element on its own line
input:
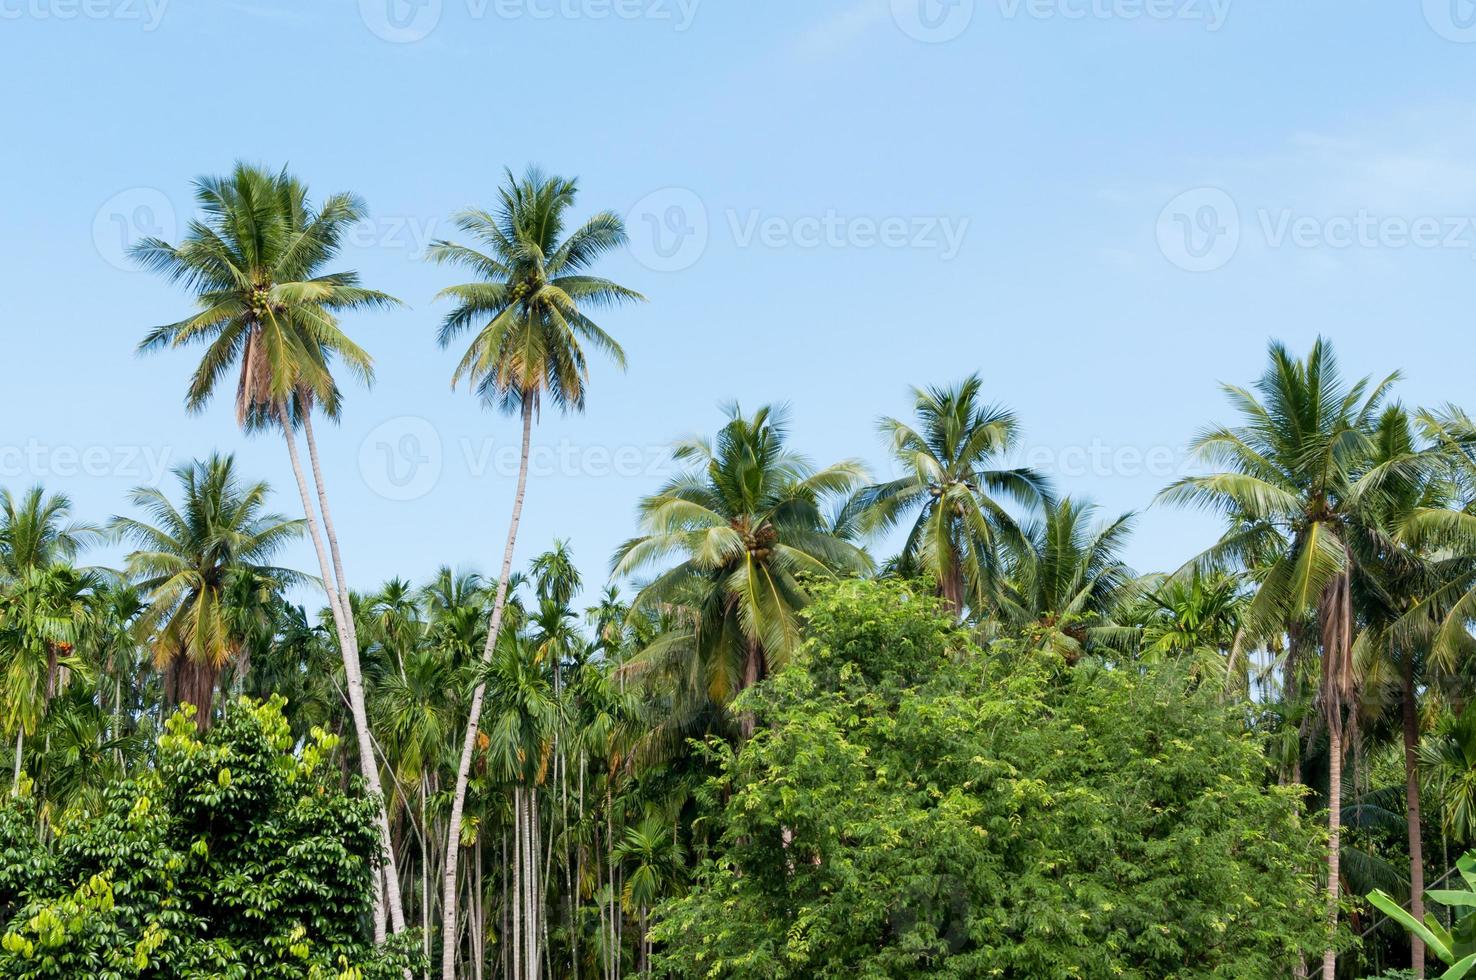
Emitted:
<point x="914" y="806"/>
<point x="235" y="856"/>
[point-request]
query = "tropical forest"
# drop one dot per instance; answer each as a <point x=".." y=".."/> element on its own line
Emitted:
<point x="811" y="719"/>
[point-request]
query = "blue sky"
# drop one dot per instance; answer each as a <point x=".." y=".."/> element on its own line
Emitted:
<point x="1105" y="207"/>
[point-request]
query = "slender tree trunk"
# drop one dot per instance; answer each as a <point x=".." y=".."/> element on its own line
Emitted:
<point x="1334" y="829"/>
<point x="20" y="748"/>
<point x="424" y="880"/>
<point x="1335" y="611"/>
<point x="355" y="682"/>
<point x="517" y="915"/>
<point x="1412" y="808"/>
<point x="469" y="740"/>
<point x="391" y="871"/>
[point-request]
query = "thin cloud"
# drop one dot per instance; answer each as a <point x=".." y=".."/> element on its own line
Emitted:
<point x="842" y="30"/>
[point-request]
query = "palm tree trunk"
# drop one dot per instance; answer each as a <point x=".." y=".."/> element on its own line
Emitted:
<point x="469" y="741"/>
<point x="1334" y="829"/>
<point x="517" y="913"/>
<point x="391" y="872"/>
<point x="1412" y="808"/>
<point x="1335" y="611"/>
<point x="20" y="748"/>
<point x="753" y="672"/>
<point x="354" y="680"/>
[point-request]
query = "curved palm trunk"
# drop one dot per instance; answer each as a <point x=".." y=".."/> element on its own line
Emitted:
<point x="474" y="716"/>
<point x="391" y="870"/>
<point x="353" y="678"/>
<point x="1412" y="807"/>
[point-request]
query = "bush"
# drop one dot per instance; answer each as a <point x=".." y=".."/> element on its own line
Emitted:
<point x="915" y="806"/>
<point x="234" y="857"/>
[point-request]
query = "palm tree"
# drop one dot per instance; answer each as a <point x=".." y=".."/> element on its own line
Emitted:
<point x="523" y="719"/>
<point x="267" y="310"/>
<point x="951" y="481"/>
<point x="654" y="852"/>
<point x="1194" y="619"/>
<point x="1295" y="481"/>
<point x="1063" y="576"/>
<point x="193" y="561"/>
<point x="1392" y="579"/>
<point x="529" y="309"/>
<point x="746" y="524"/>
<point x="43" y="602"/>
<point x="36" y="532"/>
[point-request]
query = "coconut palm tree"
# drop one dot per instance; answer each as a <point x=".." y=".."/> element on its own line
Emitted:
<point x="196" y="562"/>
<point x="745" y="523"/>
<point x="1063" y="576"/>
<point x="1295" y="480"/>
<point x="951" y="487"/>
<point x="267" y="311"/>
<point x="530" y="313"/>
<point x="1393" y="576"/>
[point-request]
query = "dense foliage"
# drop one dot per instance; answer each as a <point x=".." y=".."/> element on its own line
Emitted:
<point x="232" y="856"/>
<point x="914" y="805"/>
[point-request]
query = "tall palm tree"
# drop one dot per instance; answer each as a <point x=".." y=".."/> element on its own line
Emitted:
<point x="745" y="524"/>
<point x="1393" y="576"/>
<point x="266" y="308"/>
<point x="1295" y="480"/>
<point x="951" y="481"/>
<point x="189" y="560"/>
<point x="529" y="309"/>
